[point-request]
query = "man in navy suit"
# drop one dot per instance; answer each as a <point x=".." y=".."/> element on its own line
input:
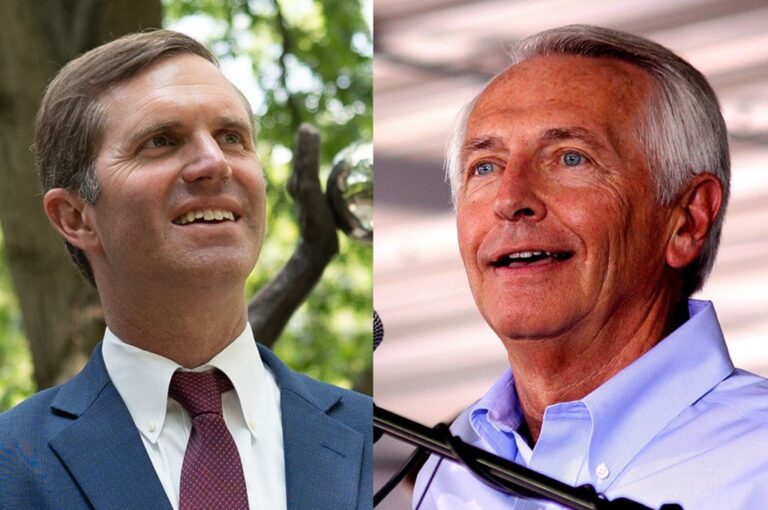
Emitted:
<point x="148" y="164"/>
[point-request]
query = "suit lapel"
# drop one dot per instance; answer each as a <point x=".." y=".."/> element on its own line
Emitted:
<point x="102" y="448"/>
<point x="322" y="455"/>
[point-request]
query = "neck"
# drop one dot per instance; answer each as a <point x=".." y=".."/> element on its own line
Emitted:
<point x="571" y="365"/>
<point x="188" y="326"/>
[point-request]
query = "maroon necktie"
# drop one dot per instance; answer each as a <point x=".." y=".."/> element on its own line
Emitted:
<point x="212" y="474"/>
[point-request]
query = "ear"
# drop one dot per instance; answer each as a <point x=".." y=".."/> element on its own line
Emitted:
<point x="692" y="219"/>
<point x="71" y="217"/>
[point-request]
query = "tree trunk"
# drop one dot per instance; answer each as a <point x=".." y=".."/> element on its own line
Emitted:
<point x="61" y="313"/>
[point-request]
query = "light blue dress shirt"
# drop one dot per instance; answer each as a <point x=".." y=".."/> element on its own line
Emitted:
<point x="679" y="425"/>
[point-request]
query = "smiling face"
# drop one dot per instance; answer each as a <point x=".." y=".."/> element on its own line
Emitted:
<point x="182" y="194"/>
<point x="558" y="224"/>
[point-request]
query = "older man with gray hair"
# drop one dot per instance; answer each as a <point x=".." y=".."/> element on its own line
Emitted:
<point x="590" y="180"/>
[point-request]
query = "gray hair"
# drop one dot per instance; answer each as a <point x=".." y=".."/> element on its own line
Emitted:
<point x="682" y="130"/>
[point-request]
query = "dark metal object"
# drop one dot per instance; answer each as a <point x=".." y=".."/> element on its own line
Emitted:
<point x="350" y="191"/>
<point x="417" y="458"/>
<point x="270" y="309"/>
<point x="378" y="330"/>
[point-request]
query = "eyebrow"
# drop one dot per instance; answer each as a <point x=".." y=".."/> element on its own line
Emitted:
<point x="479" y="144"/>
<point x="236" y="123"/>
<point x="572" y="133"/>
<point x="551" y="134"/>
<point x="495" y="143"/>
<point x="224" y="122"/>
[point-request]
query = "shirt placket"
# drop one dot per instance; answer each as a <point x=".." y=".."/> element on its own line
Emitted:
<point x="561" y="449"/>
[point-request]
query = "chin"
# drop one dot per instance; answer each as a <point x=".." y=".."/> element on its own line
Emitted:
<point x="215" y="270"/>
<point x="527" y="323"/>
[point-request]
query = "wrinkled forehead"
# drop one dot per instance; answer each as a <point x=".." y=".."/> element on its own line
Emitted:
<point x="179" y="72"/>
<point x="604" y="90"/>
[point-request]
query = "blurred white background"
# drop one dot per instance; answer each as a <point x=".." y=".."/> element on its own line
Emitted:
<point x="432" y="56"/>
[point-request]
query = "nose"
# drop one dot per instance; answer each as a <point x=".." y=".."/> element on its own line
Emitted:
<point x="517" y="197"/>
<point x="207" y="162"/>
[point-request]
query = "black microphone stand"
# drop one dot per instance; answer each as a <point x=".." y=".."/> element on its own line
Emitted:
<point x="493" y="470"/>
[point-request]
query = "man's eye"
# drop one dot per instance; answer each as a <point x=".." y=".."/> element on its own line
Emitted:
<point x="232" y="138"/>
<point x="484" y="168"/>
<point x="158" y="141"/>
<point x="572" y="159"/>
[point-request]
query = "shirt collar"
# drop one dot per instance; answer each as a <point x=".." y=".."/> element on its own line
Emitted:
<point x="633" y="406"/>
<point x="497" y="416"/>
<point x="500" y="405"/>
<point x="642" y="399"/>
<point x="242" y="363"/>
<point x="142" y="378"/>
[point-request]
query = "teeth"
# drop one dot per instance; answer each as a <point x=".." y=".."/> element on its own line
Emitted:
<point x="527" y="254"/>
<point x="205" y="214"/>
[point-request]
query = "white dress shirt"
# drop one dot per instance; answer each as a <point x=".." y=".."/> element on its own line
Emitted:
<point x="251" y="411"/>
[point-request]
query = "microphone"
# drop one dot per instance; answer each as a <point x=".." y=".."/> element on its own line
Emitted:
<point x="378" y="336"/>
<point x="378" y="330"/>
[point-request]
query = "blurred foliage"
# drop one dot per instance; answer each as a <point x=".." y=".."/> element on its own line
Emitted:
<point x="15" y="360"/>
<point x="308" y="61"/>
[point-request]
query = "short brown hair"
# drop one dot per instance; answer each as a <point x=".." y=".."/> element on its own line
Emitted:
<point x="71" y="118"/>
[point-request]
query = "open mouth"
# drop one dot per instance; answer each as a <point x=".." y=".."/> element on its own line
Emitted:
<point x="205" y="216"/>
<point x="527" y="258"/>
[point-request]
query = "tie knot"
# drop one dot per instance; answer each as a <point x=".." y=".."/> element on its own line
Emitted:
<point x="199" y="392"/>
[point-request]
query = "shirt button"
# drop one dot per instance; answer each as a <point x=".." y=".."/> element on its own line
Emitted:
<point x="152" y="426"/>
<point x="602" y="472"/>
<point x="252" y="424"/>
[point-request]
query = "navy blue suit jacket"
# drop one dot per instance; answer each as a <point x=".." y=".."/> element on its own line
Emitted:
<point x="75" y="446"/>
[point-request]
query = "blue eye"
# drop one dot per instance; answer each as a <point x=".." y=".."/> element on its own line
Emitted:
<point x="572" y="159"/>
<point x="484" y="168"/>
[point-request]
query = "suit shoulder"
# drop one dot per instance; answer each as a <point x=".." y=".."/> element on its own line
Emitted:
<point x="348" y="407"/>
<point x="26" y="417"/>
<point x="343" y="404"/>
<point x="24" y="452"/>
<point x="348" y="403"/>
<point x="26" y="429"/>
